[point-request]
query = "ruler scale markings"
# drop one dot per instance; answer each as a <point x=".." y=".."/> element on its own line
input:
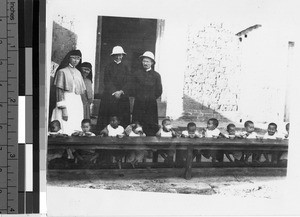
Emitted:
<point x="8" y="106"/>
<point x="3" y="116"/>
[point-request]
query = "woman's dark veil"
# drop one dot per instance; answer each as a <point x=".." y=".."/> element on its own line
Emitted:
<point x="88" y="65"/>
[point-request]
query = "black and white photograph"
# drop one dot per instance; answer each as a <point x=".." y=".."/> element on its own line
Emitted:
<point x="170" y="102"/>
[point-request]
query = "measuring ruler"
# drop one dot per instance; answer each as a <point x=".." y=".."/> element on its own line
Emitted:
<point x="9" y="54"/>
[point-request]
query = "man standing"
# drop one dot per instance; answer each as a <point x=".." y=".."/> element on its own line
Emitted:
<point x="115" y="98"/>
<point x="148" y="89"/>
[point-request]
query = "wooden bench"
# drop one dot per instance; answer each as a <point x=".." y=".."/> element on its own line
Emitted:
<point x="155" y="143"/>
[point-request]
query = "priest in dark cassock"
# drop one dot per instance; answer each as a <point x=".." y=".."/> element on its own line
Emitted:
<point x="115" y="98"/>
<point x="148" y="89"/>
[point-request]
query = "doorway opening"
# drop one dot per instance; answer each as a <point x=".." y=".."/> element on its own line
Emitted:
<point x="135" y="35"/>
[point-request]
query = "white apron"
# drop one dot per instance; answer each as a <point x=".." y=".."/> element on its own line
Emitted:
<point x="75" y="113"/>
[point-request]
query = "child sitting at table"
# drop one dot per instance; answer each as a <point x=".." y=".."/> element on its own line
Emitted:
<point x="237" y="155"/>
<point x="212" y="131"/>
<point x="85" y="155"/>
<point x="55" y="131"/>
<point x="249" y="133"/>
<point x="86" y="129"/>
<point x="114" y="129"/>
<point x="271" y="134"/>
<point x="135" y="130"/>
<point x="191" y="131"/>
<point x="166" y="131"/>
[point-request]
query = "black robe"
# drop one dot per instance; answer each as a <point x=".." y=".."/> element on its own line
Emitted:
<point x="116" y="77"/>
<point x="148" y="89"/>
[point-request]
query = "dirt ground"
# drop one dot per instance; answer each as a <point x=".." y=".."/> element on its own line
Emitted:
<point x="265" y="183"/>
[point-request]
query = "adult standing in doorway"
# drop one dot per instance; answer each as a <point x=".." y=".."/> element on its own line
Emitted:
<point x="115" y="98"/>
<point x="148" y="89"/>
<point x="69" y="86"/>
<point x="88" y="96"/>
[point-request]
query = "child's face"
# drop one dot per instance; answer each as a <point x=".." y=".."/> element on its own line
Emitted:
<point x="167" y="126"/>
<point x="272" y="130"/>
<point x="54" y="128"/>
<point x="138" y="129"/>
<point x="86" y="127"/>
<point x="249" y="128"/>
<point x="85" y="71"/>
<point x="210" y="125"/>
<point x="114" y="122"/>
<point x="192" y="130"/>
<point x="231" y="131"/>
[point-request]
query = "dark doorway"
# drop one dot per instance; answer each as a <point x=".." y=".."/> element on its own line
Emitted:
<point x="135" y="35"/>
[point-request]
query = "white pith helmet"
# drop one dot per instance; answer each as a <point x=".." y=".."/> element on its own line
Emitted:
<point x="148" y="54"/>
<point x="117" y="50"/>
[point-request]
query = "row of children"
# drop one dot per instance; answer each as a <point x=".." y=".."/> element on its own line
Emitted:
<point x="114" y="129"/>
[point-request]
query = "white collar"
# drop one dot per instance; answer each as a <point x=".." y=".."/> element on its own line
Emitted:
<point x="71" y="65"/>
<point x="147" y="70"/>
<point x="117" y="62"/>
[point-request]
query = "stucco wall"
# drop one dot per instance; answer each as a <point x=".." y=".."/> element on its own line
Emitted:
<point x="213" y="66"/>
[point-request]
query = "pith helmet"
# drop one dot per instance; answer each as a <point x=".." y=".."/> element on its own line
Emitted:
<point x="148" y="54"/>
<point x="117" y="50"/>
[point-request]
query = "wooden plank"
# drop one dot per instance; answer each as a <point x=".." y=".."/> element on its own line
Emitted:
<point x="189" y="160"/>
<point x="155" y="157"/>
<point x="142" y="165"/>
<point x="132" y="141"/>
<point x="83" y="174"/>
<point x="150" y="143"/>
<point x="238" y="164"/>
<point x="147" y="165"/>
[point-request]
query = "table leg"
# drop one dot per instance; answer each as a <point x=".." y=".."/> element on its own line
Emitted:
<point x="155" y="157"/>
<point x="198" y="158"/>
<point x="189" y="160"/>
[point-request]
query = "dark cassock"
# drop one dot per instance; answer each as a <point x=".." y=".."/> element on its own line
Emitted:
<point x="148" y="89"/>
<point x="116" y="78"/>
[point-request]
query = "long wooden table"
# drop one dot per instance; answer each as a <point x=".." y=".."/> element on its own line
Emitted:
<point x="156" y="143"/>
